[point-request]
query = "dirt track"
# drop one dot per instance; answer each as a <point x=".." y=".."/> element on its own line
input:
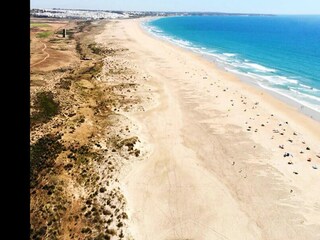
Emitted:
<point x="45" y="58"/>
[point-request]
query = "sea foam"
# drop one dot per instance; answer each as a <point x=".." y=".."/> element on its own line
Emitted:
<point x="275" y="78"/>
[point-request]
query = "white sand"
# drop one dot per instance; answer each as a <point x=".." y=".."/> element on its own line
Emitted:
<point x="208" y="177"/>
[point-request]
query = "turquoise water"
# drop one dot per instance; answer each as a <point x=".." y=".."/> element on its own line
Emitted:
<point x="279" y="53"/>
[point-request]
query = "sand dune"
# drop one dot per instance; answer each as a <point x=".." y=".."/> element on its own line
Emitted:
<point x="218" y="168"/>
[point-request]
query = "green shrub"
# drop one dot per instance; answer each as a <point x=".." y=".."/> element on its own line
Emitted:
<point x="45" y="108"/>
<point x="42" y="156"/>
<point x="38" y="24"/>
<point x="44" y="34"/>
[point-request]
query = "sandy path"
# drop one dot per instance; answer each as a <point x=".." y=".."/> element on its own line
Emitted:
<point x="211" y="175"/>
<point x="45" y="58"/>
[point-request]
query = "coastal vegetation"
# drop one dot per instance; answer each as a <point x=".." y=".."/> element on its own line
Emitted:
<point x="73" y="166"/>
<point x="42" y="156"/>
<point x="39" y="24"/>
<point x="45" y="107"/>
<point x="44" y="34"/>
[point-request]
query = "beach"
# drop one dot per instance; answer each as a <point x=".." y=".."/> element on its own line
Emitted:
<point x="133" y="137"/>
<point x="222" y="159"/>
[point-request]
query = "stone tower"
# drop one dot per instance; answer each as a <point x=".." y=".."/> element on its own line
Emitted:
<point x="64" y="32"/>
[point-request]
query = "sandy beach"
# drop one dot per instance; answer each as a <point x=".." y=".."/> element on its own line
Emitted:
<point x="132" y="137"/>
<point x="224" y="160"/>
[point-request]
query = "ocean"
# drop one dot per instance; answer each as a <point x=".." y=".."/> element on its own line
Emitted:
<point x="278" y="53"/>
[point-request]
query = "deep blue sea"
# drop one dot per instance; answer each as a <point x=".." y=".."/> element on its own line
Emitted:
<point x="279" y="53"/>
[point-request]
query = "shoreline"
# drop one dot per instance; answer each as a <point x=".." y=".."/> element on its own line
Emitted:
<point x="151" y="141"/>
<point x="218" y="158"/>
<point x="222" y="140"/>
<point x="287" y="105"/>
<point x="307" y="111"/>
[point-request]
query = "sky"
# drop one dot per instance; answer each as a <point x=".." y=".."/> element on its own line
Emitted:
<point x="230" y="6"/>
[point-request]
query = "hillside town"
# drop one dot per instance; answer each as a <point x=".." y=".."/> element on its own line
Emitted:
<point x="91" y="14"/>
<point x="104" y="14"/>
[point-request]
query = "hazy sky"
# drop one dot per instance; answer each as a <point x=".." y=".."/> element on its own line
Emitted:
<point x="240" y="6"/>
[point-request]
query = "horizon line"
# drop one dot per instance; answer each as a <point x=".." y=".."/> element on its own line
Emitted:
<point x="239" y="13"/>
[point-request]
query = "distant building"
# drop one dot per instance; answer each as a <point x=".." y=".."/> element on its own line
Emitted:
<point x="64" y="32"/>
